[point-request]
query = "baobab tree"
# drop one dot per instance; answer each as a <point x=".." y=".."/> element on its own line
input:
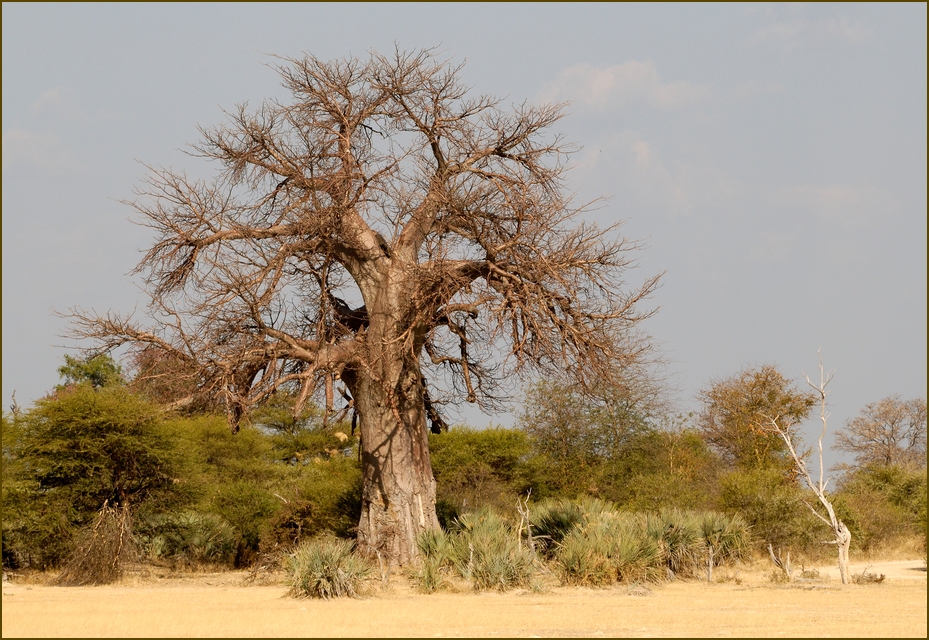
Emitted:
<point x="386" y="242"/>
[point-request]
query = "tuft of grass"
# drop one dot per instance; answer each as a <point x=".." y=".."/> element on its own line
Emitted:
<point x="779" y="577"/>
<point x="608" y="547"/>
<point x="677" y="534"/>
<point x="327" y="567"/>
<point x="437" y="557"/>
<point x="865" y="577"/>
<point x="487" y="551"/>
<point x="193" y="538"/>
<point x="809" y="574"/>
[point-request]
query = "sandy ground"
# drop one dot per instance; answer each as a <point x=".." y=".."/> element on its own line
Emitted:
<point x="209" y="605"/>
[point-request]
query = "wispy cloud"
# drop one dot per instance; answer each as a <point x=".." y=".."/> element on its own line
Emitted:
<point x="22" y="148"/>
<point x="49" y="100"/>
<point x="629" y="83"/>
<point x="799" y="30"/>
<point x="756" y="89"/>
<point x="846" y="205"/>
<point x="645" y="178"/>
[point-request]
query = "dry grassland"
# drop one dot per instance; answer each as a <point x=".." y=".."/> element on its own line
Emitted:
<point x="208" y="605"/>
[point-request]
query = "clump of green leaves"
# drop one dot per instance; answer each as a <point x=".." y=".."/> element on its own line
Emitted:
<point x="327" y="567"/>
<point x="192" y="538"/>
<point x="488" y="552"/>
<point x="438" y="554"/>
<point x="80" y="448"/>
<point x="98" y="371"/>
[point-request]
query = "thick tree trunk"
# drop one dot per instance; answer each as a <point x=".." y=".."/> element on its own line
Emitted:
<point x="398" y="499"/>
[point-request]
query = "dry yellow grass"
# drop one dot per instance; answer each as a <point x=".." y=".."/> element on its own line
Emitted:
<point x="217" y="605"/>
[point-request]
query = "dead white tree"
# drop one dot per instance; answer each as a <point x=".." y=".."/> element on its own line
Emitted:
<point x="782" y="425"/>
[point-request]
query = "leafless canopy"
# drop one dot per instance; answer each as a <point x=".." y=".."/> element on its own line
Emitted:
<point x="890" y="431"/>
<point x="379" y="191"/>
<point x="783" y="425"/>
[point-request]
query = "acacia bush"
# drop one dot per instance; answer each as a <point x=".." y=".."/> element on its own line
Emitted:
<point x="772" y="504"/>
<point x="322" y="496"/>
<point x="74" y="451"/>
<point x="271" y="496"/>
<point x="481" y="468"/>
<point x="883" y="504"/>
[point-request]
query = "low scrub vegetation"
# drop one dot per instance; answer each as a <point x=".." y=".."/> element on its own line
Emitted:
<point x="587" y="542"/>
<point x="619" y="494"/>
<point x="326" y="568"/>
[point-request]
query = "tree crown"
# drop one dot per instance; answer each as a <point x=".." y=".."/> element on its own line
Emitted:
<point x="737" y="412"/>
<point x="380" y="215"/>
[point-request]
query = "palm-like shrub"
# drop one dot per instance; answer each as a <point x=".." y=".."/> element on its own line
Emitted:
<point x="609" y="546"/>
<point x="552" y="519"/>
<point x="487" y="551"/>
<point x="725" y="537"/>
<point x="192" y="538"/>
<point x="677" y="534"/>
<point x="585" y="556"/>
<point x="638" y="558"/>
<point x="437" y="556"/>
<point x="326" y="567"/>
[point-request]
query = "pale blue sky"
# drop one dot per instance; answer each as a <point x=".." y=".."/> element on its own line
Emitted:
<point x="772" y="157"/>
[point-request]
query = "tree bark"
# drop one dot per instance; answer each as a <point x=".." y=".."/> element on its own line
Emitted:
<point x="843" y="542"/>
<point x="398" y="495"/>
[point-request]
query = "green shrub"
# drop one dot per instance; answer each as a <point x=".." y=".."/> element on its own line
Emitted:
<point x="488" y="552"/>
<point x="326" y="567"/>
<point x="75" y="450"/>
<point x="677" y="534"/>
<point x="192" y="538"/>
<point x="476" y="468"/>
<point x="609" y="546"/>
<point x="437" y="556"/>
<point x="773" y="506"/>
<point x="249" y="507"/>
<point x="882" y="504"/>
